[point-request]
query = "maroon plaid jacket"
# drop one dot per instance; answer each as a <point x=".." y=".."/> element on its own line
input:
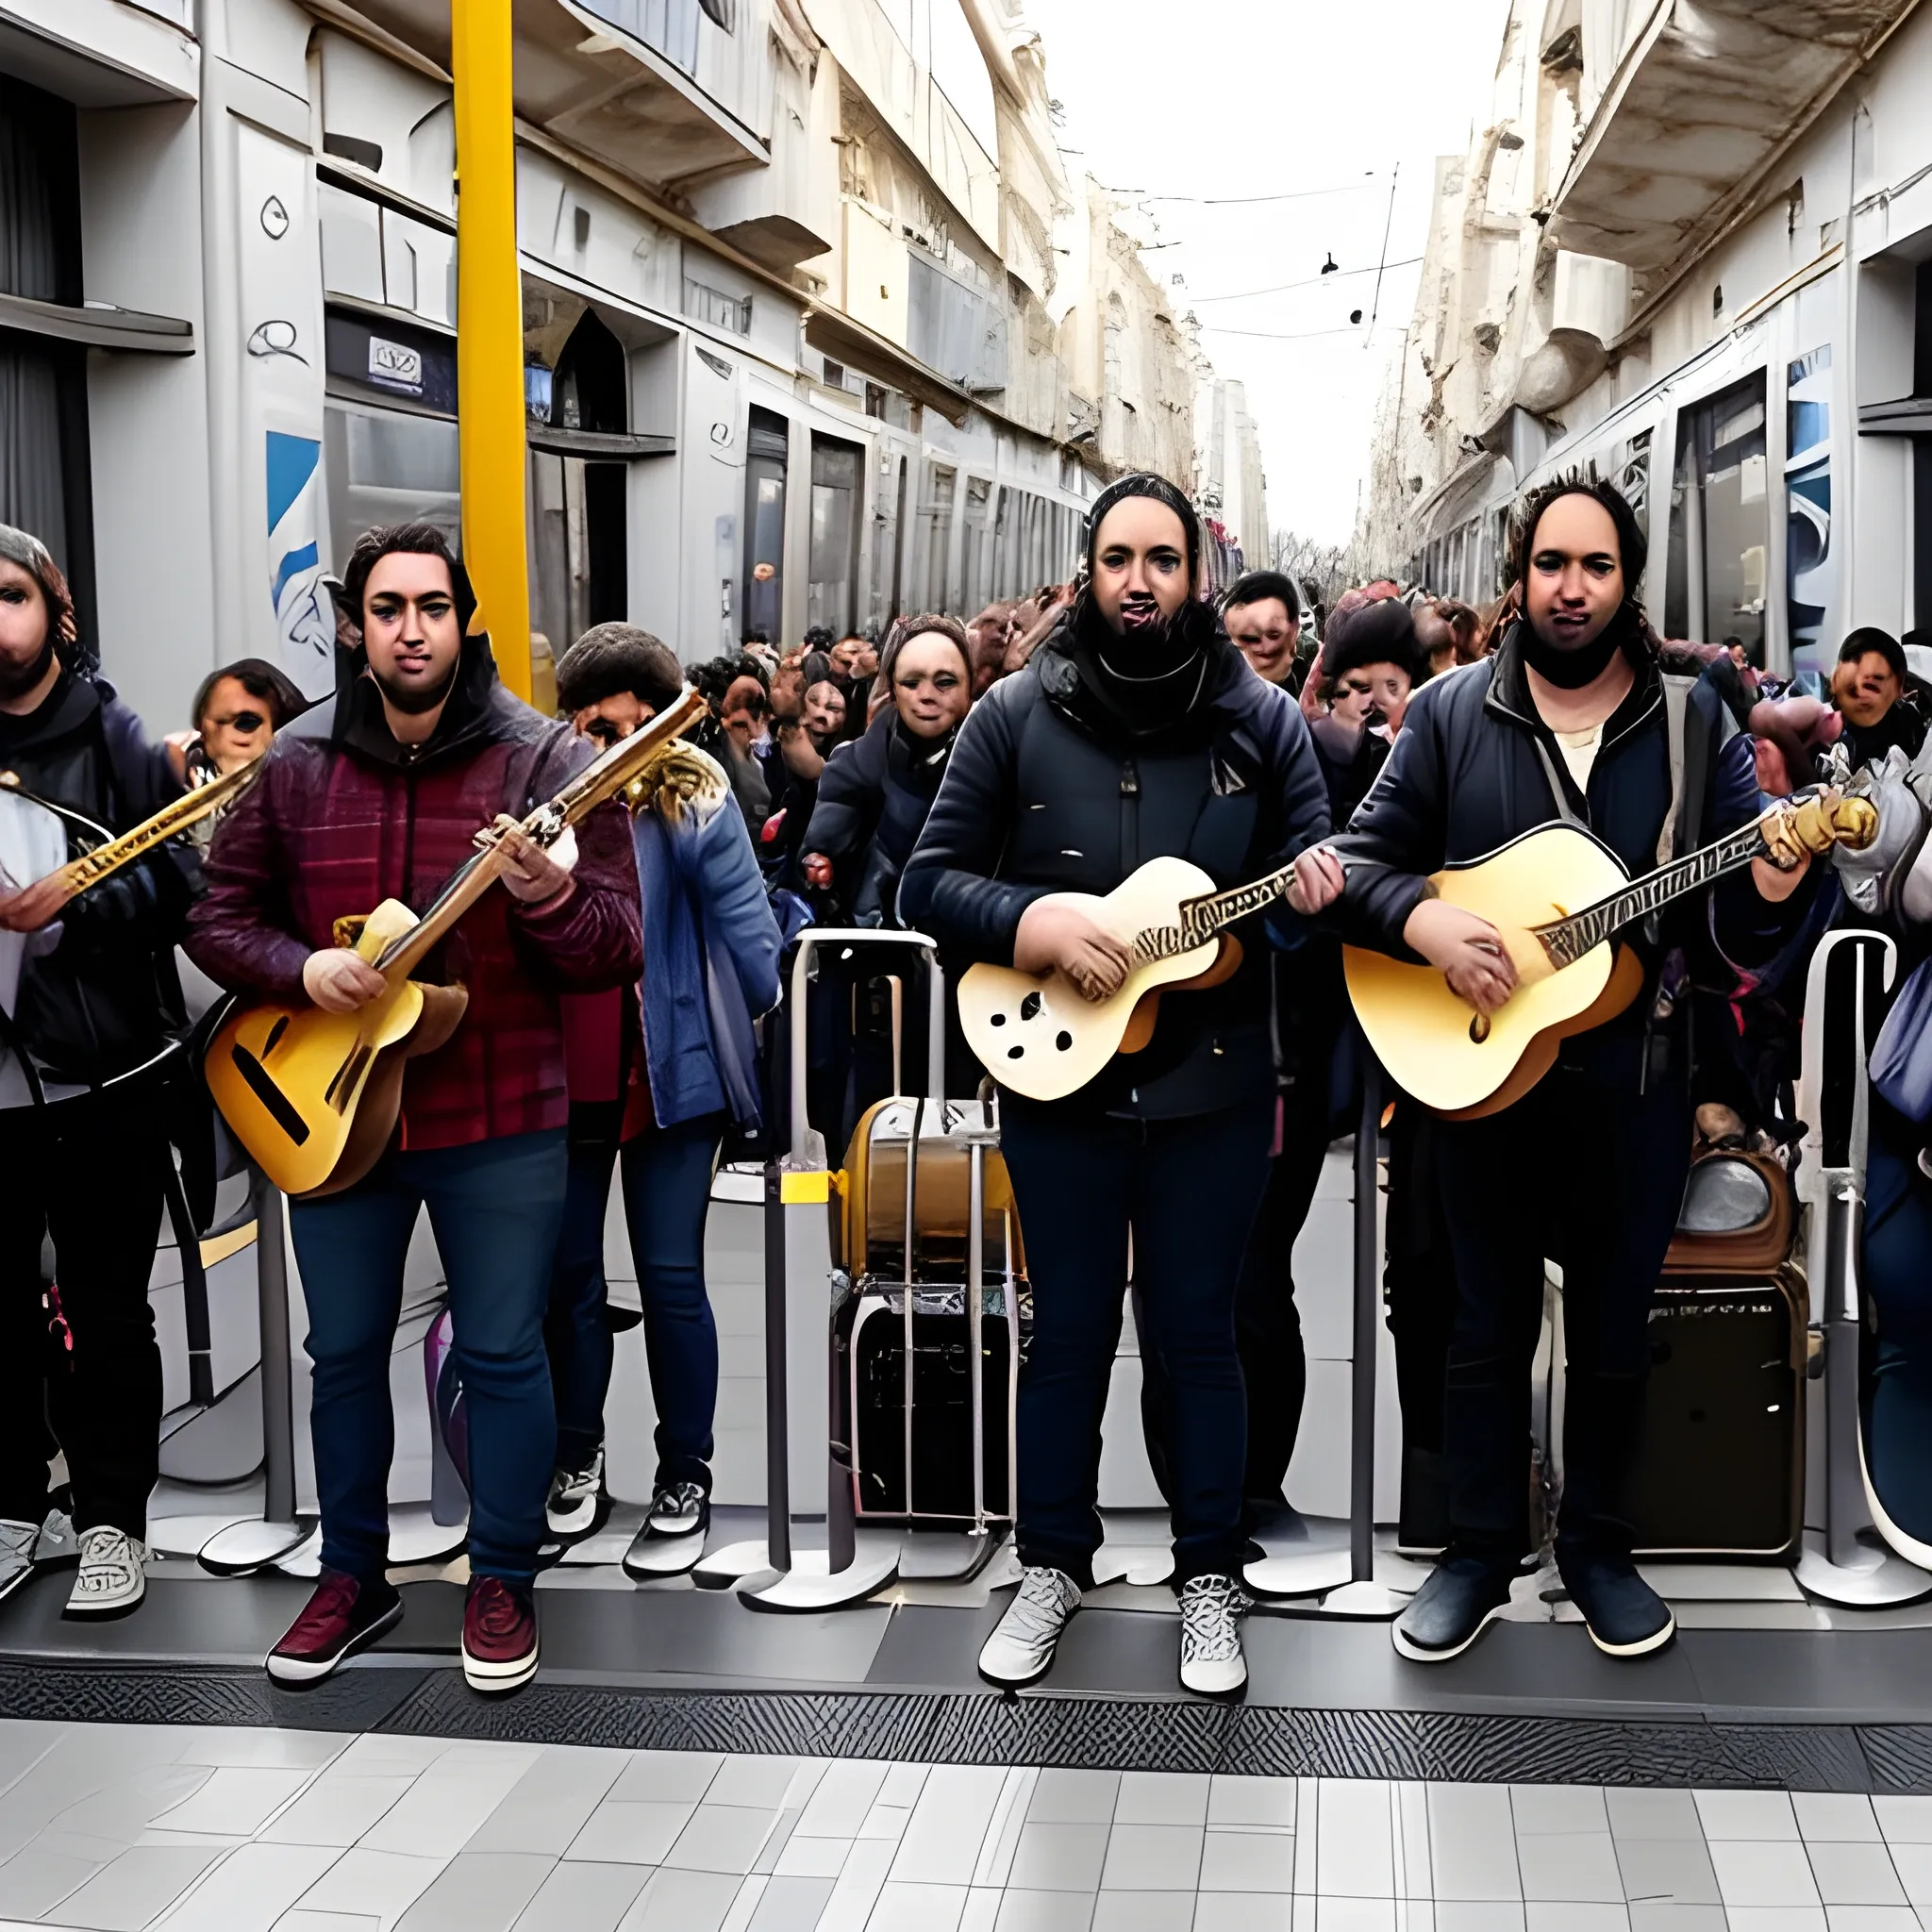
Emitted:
<point x="341" y="820"/>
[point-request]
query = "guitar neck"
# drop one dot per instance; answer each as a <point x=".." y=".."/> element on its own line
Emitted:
<point x="1567" y="941"/>
<point x="1201" y="918"/>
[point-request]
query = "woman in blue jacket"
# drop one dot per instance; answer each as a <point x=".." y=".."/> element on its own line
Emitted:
<point x="710" y="969"/>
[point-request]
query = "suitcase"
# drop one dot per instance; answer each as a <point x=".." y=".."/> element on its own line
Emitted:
<point x="1718" y="1469"/>
<point x="936" y="1450"/>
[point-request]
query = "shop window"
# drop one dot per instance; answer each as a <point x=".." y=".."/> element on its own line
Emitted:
<point x="767" y="447"/>
<point x="45" y="484"/>
<point x="589" y="388"/>
<point x="1808" y="565"/>
<point x="1720" y="519"/>
<point x="832" y="582"/>
<point x="703" y="303"/>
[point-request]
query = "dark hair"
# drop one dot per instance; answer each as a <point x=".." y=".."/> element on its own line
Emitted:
<point x="1379" y="633"/>
<point x="24" y="548"/>
<point x="817" y="669"/>
<point x="1457" y="615"/>
<point x="1259" y="587"/>
<point x="755" y="637"/>
<point x="820" y="638"/>
<point x="929" y="625"/>
<point x="272" y="690"/>
<point x="412" y="540"/>
<point x="1869" y="641"/>
<point x="1633" y="546"/>
<point x="610" y="660"/>
<point x="1144" y="483"/>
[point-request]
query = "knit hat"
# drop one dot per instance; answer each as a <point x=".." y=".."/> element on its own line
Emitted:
<point x="1379" y="633"/>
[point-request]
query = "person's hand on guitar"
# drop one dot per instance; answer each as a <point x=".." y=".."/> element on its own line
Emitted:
<point x="339" y="981"/>
<point x="1318" y="881"/>
<point x="1468" y="950"/>
<point x="1064" y="938"/>
<point x="534" y="874"/>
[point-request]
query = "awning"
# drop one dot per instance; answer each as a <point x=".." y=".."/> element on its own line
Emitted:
<point x="838" y="336"/>
<point x="99" y="329"/>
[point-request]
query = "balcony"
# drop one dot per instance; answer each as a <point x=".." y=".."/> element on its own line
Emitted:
<point x="585" y="75"/>
<point x="1697" y="113"/>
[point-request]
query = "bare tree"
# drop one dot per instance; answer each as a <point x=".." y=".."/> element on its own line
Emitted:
<point x="1319" y="568"/>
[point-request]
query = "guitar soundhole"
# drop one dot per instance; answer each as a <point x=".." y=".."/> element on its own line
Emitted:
<point x="1479" y="1029"/>
<point x="1064" y="1042"/>
<point x="999" y="1020"/>
<point x="1014" y="1053"/>
<point x="1030" y="1007"/>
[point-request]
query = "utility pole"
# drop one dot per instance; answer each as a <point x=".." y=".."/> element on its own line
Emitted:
<point x="1382" y="260"/>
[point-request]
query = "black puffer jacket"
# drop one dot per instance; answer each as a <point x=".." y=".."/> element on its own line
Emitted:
<point x="1045" y="792"/>
<point x="872" y="800"/>
<point x="105" y="1000"/>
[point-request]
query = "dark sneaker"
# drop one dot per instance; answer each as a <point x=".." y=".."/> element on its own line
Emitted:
<point x="342" y="1617"/>
<point x="1452" y="1610"/>
<point x="1623" y="1615"/>
<point x="678" y="1509"/>
<point x="578" y="1505"/>
<point x="499" y="1634"/>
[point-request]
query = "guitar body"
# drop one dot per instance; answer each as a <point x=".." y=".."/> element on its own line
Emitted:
<point x="315" y="1096"/>
<point x="1039" y="1037"/>
<point x="1427" y="1038"/>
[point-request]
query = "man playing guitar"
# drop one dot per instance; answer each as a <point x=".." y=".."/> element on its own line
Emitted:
<point x="1570" y="719"/>
<point x="379" y="793"/>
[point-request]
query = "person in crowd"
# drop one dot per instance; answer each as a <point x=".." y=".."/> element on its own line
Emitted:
<point x="1136" y="730"/>
<point x="1051" y="603"/>
<point x="1263" y="616"/>
<point x="1435" y="638"/>
<point x="1316" y="683"/>
<point x="377" y="794"/>
<point x="90" y="1013"/>
<point x="787" y="694"/>
<point x="236" y="713"/>
<point x="661" y="1072"/>
<point x="1567" y="719"/>
<point x="1465" y="626"/>
<point x="988" y="637"/>
<point x="876" y="791"/>
<point x="1868" y="685"/>
<point x="823" y="715"/>
<point x="854" y="670"/>
<point x="735" y="686"/>
<point x="745" y="713"/>
<point x="1372" y="659"/>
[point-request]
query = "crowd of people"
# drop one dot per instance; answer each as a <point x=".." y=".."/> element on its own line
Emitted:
<point x="960" y="779"/>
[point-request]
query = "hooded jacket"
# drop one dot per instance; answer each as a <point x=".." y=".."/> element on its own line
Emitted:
<point x="1050" y="790"/>
<point x="103" y="1000"/>
<point x="345" y="817"/>
<point x="872" y="800"/>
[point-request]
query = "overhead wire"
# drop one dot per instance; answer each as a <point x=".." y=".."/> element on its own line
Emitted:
<point x="1282" y="288"/>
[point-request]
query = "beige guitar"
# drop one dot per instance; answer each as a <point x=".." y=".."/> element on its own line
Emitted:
<point x="1038" y="1036"/>
<point x="1558" y="898"/>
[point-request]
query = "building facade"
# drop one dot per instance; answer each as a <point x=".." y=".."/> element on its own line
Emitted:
<point x="817" y="326"/>
<point x="1684" y="251"/>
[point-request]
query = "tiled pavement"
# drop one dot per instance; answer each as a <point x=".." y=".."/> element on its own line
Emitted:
<point x="115" y="1828"/>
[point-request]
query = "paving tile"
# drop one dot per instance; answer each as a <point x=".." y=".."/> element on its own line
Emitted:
<point x="1473" y="1843"/>
<point x="252" y="1887"/>
<point x="1855" y="1875"/>
<point x="303" y="1919"/>
<point x="840" y="1800"/>
<point x="982" y="1909"/>
<point x="790" y="1904"/>
<point x="447" y="1804"/>
<point x="682" y="1902"/>
<point x="336" y="1808"/>
<point x="719" y="1838"/>
<point x="478" y="1891"/>
<point x="39" y="1876"/>
<point x="773" y="1849"/>
<point x="1145" y="1911"/>
<point x="548" y="1805"/>
<point x="752" y="1781"/>
<point x="138" y="1887"/>
<point x="941" y="1840"/>
<point x="1042" y="1911"/>
<point x="1756" y="1816"/>
<point x="887" y="1823"/>
<point x="247" y="1745"/>
<point x="1778" y="1919"/>
<point x="1653" y="1814"/>
<point x="382" y="1885"/>
<point x="1905" y="1820"/>
<point x="1075" y="1797"/>
<point x="1158" y="1797"/>
<point x="1674" y="1918"/>
<point x="861" y="1881"/>
<point x="813" y="1858"/>
<point x="1575" y="1866"/>
<point x="1060" y="1858"/>
<point x="583" y="1897"/>
<point x="1355" y="1915"/>
<point x="237" y="1800"/>
<point x="1152" y="1857"/>
<point x="1913" y="1863"/>
<point x="1773" y="1874"/>
<point x="630" y="1834"/>
<point x="1872" y="1919"/>
<point x="125" y="1805"/>
<point x="1667" y="1871"/>
<point x="1002" y="1838"/>
<point x="903" y="1907"/>
<point x="1414" y="1881"/>
<point x="1252" y="1801"/>
<point x="1835" y="1817"/>
<point x="389" y="1754"/>
<point x="1247" y="1862"/>
<point x="1484" y="1915"/>
<point x="1355" y="1826"/>
<point x="677" y="1778"/>
<point x="904" y="1783"/>
<point x="1247" y="1911"/>
<point x="1541" y="1808"/>
<point x="1573" y="1916"/>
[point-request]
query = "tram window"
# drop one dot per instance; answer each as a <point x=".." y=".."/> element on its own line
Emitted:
<point x="384" y="467"/>
<point x="832" y="581"/>
<point x="766" y="445"/>
<point x="1720" y="519"/>
<point x="579" y="540"/>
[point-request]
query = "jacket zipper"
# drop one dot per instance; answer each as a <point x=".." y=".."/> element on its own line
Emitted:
<point x="1130" y="817"/>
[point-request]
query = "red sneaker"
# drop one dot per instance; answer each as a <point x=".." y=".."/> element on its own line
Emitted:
<point x="342" y="1617"/>
<point x="499" y="1634"/>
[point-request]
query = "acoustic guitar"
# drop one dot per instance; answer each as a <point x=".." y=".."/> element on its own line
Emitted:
<point x="1036" y="1035"/>
<point x="1558" y="898"/>
<point x="315" y="1096"/>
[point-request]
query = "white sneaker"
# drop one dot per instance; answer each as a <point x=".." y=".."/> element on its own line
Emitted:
<point x="576" y="1499"/>
<point x="1211" y="1660"/>
<point x="1020" y="1650"/>
<point x="113" y="1574"/>
<point x="679" y="1510"/>
<point x="59" y="1542"/>
<point x="18" y="1542"/>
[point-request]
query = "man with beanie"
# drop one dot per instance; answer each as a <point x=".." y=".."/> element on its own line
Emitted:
<point x="1263" y="616"/>
<point x="378" y="794"/>
<point x="1570" y="719"/>
<point x="1134" y="731"/>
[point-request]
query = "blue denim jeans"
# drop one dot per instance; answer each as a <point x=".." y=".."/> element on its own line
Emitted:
<point x="667" y="1195"/>
<point x="495" y="1207"/>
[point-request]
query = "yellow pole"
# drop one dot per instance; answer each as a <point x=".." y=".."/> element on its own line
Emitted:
<point x="490" y="335"/>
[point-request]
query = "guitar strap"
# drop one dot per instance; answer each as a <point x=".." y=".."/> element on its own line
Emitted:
<point x="1677" y="835"/>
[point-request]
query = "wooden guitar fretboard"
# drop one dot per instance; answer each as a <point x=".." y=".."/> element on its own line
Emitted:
<point x="1201" y="919"/>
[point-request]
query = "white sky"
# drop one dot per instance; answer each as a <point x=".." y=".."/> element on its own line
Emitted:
<point x="1247" y="97"/>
